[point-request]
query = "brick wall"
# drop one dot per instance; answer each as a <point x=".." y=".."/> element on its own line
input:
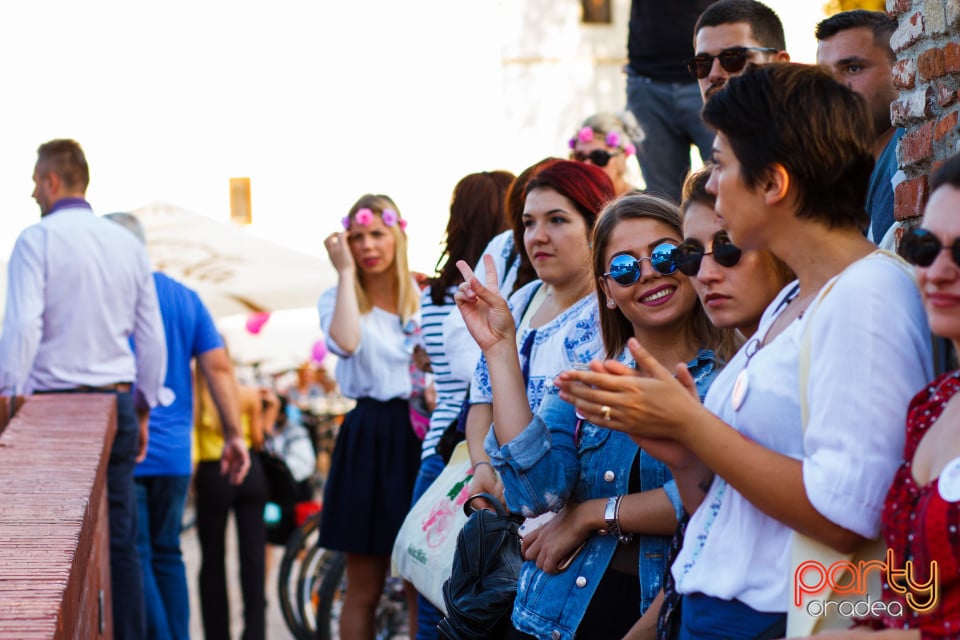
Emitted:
<point x="927" y="73"/>
<point x="54" y="533"/>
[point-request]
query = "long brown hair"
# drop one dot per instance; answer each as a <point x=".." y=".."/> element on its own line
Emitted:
<point x="477" y="214"/>
<point x="615" y="327"/>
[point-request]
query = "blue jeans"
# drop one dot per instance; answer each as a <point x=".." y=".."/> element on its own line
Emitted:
<point x="707" y="618"/>
<point x="160" y="502"/>
<point x="125" y="575"/>
<point x="669" y="114"/>
<point x="428" y="616"/>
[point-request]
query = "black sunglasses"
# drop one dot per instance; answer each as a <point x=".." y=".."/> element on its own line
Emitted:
<point x="733" y="60"/>
<point x="690" y="253"/>
<point x="625" y="269"/>
<point x="921" y="247"/>
<point x="599" y="157"/>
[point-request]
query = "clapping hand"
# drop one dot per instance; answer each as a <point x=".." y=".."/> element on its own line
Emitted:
<point x="650" y="403"/>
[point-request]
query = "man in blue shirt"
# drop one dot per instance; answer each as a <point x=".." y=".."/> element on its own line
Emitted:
<point x="79" y="288"/>
<point x="163" y="477"/>
<point x="855" y="47"/>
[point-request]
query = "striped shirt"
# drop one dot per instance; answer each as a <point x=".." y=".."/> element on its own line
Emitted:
<point x="451" y="391"/>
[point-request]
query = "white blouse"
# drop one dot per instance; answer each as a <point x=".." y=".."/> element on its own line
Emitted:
<point x="380" y="367"/>
<point x="869" y="354"/>
<point x="571" y="338"/>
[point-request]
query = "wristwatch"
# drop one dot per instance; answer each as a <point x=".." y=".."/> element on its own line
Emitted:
<point x="611" y="515"/>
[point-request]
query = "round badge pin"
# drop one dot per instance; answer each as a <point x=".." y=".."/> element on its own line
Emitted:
<point x="740" y="387"/>
<point x="949" y="484"/>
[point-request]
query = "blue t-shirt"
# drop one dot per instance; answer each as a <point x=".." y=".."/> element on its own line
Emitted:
<point x="190" y="332"/>
<point x="880" y="191"/>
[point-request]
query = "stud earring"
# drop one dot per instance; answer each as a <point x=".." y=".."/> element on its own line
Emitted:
<point x="611" y="304"/>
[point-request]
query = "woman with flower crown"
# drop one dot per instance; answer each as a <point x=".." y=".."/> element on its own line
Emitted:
<point x="371" y="320"/>
<point x="606" y="140"/>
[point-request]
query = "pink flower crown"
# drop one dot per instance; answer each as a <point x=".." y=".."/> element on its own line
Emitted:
<point x="364" y="217"/>
<point x="612" y="140"/>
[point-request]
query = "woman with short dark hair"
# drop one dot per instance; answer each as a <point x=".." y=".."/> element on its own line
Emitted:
<point x="806" y="430"/>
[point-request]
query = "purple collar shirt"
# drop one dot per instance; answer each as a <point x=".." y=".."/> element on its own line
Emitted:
<point x="79" y="287"/>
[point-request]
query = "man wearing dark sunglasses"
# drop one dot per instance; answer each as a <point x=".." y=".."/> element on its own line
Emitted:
<point x="731" y="34"/>
<point x="855" y="47"/>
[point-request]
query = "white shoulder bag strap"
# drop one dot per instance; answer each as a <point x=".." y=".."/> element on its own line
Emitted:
<point x="811" y="617"/>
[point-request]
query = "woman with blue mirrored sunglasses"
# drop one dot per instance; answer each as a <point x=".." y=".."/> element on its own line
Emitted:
<point x="625" y="269"/>
<point x="618" y="505"/>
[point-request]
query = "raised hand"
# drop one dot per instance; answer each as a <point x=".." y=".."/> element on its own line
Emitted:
<point x="485" y="311"/>
<point x="646" y="403"/>
<point x="338" y="249"/>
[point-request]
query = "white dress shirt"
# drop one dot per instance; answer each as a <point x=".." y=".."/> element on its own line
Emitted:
<point x="79" y="287"/>
<point x="869" y="354"/>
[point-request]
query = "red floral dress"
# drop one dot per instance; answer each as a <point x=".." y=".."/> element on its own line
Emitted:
<point x="923" y="527"/>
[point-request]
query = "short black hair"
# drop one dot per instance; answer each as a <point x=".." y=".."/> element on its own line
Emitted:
<point x="65" y="158"/>
<point x="797" y="116"/>
<point x="764" y="23"/>
<point x="878" y="22"/>
<point x="947" y="174"/>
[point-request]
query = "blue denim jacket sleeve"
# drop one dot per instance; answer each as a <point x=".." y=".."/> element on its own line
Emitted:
<point x="673" y="495"/>
<point x="541" y="466"/>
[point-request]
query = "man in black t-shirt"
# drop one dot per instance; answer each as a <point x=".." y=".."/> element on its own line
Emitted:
<point x="661" y="94"/>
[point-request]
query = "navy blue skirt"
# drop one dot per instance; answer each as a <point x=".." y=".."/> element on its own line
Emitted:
<point x="372" y="472"/>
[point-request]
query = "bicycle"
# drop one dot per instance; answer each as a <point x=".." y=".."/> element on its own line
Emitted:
<point x="311" y="585"/>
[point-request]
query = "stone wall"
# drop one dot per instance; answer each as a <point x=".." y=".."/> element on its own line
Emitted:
<point x="927" y="73"/>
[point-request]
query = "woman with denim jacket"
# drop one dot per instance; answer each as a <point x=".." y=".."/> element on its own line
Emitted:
<point x="585" y="574"/>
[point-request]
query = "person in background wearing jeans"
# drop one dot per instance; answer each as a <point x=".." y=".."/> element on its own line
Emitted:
<point x="662" y="96"/>
<point x="163" y="477"/>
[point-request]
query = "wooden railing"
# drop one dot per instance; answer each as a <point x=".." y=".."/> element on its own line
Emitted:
<point x="54" y="534"/>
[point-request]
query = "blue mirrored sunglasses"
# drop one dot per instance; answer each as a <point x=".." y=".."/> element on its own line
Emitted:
<point x="625" y="269"/>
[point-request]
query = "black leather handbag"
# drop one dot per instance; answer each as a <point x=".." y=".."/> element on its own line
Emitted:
<point x="482" y="585"/>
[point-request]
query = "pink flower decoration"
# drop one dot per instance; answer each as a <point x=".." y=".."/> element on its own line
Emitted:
<point x="256" y="321"/>
<point x="629" y="149"/>
<point x="585" y="134"/>
<point x="389" y="217"/>
<point x="318" y="352"/>
<point x="612" y="139"/>
<point x="572" y="143"/>
<point x="345" y="221"/>
<point x="363" y="217"/>
<point x="403" y="225"/>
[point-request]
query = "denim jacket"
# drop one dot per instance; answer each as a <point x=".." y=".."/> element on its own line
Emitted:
<point x="550" y="464"/>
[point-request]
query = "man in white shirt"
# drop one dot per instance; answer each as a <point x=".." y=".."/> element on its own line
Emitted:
<point x="78" y="288"/>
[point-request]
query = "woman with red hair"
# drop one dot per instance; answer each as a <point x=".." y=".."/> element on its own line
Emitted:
<point x="555" y="315"/>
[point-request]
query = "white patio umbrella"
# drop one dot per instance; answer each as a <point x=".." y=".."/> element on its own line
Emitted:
<point x="233" y="271"/>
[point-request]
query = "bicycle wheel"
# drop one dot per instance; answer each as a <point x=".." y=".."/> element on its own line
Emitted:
<point x="330" y="585"/>
<point x="302" y="541"/>
<point x="323" y="593"/>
